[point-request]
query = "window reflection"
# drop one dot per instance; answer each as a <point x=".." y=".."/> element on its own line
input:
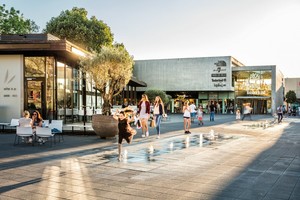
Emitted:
<point x="35" y="66"/>
<point x="253" y="83"/>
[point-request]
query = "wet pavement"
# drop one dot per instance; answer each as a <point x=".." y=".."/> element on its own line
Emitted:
<point x="244" y="160"/>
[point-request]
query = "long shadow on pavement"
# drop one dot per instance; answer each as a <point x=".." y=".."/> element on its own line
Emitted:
<point x="274" y="174"/>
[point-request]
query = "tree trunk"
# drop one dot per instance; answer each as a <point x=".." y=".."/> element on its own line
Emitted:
<point x="106" y="107"/>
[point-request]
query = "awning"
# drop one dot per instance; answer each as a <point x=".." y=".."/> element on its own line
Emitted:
<point x="252" y="97"/>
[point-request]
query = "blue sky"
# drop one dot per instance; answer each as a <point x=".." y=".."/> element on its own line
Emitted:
<point x="256" y="32"/>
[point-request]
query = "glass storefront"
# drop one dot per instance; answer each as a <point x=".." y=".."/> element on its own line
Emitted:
<point x="39" y="85"/>
<point x="253" y="87"/>
<point x="55" y="90"/>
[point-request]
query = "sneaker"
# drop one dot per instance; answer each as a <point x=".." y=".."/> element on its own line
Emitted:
<point x="143" y="135"/>
<point x="147" y="134"/>
<point x="188" y="132"/>
<point x="157" y="137"/>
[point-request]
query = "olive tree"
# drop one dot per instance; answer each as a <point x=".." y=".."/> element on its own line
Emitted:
<point x="152" y="93"/>
<point x="110" y="70"/>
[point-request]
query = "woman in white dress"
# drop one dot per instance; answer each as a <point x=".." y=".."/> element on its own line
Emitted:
<point x="144" y="114"/>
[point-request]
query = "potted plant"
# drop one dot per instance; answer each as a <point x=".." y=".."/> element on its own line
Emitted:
<point x="110" y="70"/>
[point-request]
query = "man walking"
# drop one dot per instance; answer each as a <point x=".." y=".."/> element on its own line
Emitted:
<point x="280" y="113"/>
<point x="212" y="109"/>
<point x="247" y="111"/>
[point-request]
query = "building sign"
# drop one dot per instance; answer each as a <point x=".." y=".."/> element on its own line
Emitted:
<point x="218" y="75"/>
<point x="8" y="89"/>
<point x="256" y="87"/>
<point x="11" y="101"/>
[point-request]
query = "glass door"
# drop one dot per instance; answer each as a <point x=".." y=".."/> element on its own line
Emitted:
<point x="35" y="95"/>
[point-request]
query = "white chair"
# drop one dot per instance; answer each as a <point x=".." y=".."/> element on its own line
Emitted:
<point x="69" y="113"/>
<point x="23" y="132"/>
<point x="46" y="123"/>
<point x="89" y="113"/>
<point x="80" y="114"/>
<point x="61" y="113"/>
<point x="98" y="111"/>
<point x="13" y="123"/>
<point x="75" y="113"/>
<point x="56" y="128"/>
<point x="44" y="133"/>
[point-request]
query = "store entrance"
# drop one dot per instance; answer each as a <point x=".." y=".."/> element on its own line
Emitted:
<point x="260" y="106"/>
<point x="35" y="95"/>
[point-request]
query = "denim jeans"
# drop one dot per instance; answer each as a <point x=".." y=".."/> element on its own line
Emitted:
<point x="212" y="116"/>
<point x="157" y="122"/>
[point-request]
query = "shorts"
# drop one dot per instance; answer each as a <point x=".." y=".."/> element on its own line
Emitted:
<point x="126" y="136"/>
<point x="193" y="114"/>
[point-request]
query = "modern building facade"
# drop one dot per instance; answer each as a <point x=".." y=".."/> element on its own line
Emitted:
<point x="294" y="85"/>
<point x="222" y="80"/>
<point x="41" y="72"/>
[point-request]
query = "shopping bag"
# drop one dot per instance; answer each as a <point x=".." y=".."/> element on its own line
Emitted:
<point x="138" y="124"/>
<point x="152" y="123"/>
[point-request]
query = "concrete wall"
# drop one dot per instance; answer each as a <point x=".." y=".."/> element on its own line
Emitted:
<point x="185" y="74"/>
<point x="12" y="87"/>
<point x="293" y="84"/>
<point x="279" y="88"/>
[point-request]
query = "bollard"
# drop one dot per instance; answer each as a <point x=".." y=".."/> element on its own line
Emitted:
<point x="171" y="146"/>
<point x="187" y="142"/>
<point x="201" y="140"/>
<point x="151" y="149"/>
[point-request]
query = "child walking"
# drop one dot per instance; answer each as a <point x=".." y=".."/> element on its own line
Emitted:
<point x="125" y="130"/>
<point x="200" y="115"/>
<point x="238" y="114"/>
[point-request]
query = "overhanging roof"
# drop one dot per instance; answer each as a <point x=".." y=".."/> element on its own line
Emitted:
<point x="136" y="83"/>
<point x="40" y="45"/>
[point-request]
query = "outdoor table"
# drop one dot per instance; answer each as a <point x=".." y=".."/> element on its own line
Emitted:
<point x="3" y="125"/>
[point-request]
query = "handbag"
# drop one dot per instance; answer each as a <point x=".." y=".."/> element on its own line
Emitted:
<point x="138" y="124"/>
<point x="152" y="123"/>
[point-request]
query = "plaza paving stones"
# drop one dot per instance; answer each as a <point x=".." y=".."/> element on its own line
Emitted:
<point x="243" y="163"/>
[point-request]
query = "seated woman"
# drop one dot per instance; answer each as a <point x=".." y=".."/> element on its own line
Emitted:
<point x="25" y="121"/>
<point x="37" y="120"/>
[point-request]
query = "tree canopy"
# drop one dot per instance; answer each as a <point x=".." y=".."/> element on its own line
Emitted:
<point x="75" y="26"/>
<point x="291" y="97"/>
<point x="13" y="22"/>
<point x="110" y="70"/>
<point x="152" y="93"/>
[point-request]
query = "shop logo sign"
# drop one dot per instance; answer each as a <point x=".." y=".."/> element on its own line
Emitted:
<point x="8" y="90"/>
<point x="219" y="74"/>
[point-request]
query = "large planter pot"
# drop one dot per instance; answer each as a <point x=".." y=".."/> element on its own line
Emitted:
<point x="105" y="126"/>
